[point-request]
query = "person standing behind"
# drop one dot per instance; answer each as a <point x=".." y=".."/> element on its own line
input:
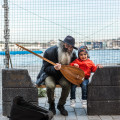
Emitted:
<point x="61" y="54"/>
<point x="83" y="62"/>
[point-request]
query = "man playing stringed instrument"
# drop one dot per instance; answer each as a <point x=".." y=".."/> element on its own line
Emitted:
<point x="61" y="54"/>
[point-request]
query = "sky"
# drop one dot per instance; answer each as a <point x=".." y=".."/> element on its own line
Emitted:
<point x="45" y="20"/>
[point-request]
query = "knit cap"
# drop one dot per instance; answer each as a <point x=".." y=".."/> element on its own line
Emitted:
<point x="83" y="49"/>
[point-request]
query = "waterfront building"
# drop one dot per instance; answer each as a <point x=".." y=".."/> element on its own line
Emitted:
<point x="97" y="45"/>
<point x="88" y="44"/>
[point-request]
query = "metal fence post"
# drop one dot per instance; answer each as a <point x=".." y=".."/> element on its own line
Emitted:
<point x="6" y="33"/>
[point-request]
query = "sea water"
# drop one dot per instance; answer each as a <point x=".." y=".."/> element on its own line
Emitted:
<point x="104" y="57"/>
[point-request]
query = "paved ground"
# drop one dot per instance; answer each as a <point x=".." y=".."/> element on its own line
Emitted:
<point x="77" y="113"/>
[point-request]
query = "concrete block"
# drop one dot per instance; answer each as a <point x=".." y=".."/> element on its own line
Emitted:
<point x="101" y="93"/>
<point x="17" y="82"/>
<point x="104" y="92"/>
<point x="103" y="107"/>
<point x="106" y="76"/>
<point x="29" y="94"/>
<point x="16" y="78"/>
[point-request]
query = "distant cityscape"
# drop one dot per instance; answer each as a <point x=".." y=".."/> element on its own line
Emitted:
<point x="92" y="45"/>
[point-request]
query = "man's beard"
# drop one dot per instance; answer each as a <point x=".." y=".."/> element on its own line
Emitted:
<point x="66" y="50"/>
<point x="64" y="55"/>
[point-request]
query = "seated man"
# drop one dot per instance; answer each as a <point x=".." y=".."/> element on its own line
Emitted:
<point x="63" y="54"/>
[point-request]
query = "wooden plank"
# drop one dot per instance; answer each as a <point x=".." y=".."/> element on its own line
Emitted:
<point x="43" y="86"/>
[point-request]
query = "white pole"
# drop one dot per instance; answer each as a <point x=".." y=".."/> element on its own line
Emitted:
<point x="6" y="33"/>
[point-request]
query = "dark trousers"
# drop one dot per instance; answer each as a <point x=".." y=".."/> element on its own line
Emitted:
<point x="50" y="83"/>
<point x="84" y="90"/>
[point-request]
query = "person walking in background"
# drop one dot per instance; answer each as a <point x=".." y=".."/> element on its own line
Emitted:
<point x="61" y="54"/>
<point x="83" y="62"/>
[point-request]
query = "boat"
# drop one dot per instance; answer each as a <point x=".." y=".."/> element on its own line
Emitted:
<point x="20" y="52"/>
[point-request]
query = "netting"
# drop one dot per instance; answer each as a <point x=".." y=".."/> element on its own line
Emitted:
<point x="38" y="24"/>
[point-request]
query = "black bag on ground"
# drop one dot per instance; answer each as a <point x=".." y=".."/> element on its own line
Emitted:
<point x="23" y="110"/>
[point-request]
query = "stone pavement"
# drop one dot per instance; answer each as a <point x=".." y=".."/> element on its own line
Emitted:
<point x="77" y="113"/>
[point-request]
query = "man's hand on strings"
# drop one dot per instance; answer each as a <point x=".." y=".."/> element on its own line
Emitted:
<point x="57" y="66"/>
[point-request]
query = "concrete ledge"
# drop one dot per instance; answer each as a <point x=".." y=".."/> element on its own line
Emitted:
<point x="16" y="78"/>
<point x="107" y="76"/>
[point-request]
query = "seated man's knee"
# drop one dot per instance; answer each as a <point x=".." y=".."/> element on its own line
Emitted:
<point x="50" y="82"/>
<point x="50" y="86"/>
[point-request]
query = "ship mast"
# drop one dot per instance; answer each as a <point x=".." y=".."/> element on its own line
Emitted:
<point x="6" y="33"/>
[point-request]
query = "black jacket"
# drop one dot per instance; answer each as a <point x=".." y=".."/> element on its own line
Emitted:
<point x="47" y="68"/>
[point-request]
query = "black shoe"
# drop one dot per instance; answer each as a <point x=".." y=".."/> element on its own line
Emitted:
<point x="62" y="110"/>
<point x="52" y="108"/>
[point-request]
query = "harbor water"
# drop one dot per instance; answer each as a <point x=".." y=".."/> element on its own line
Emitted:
<point x="104" y="57"/>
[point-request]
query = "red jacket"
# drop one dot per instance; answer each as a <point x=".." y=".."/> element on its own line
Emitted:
<point x="87" y="66"/>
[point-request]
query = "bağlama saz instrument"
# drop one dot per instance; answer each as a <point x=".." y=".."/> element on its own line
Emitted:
<point x="71" y="73"/>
